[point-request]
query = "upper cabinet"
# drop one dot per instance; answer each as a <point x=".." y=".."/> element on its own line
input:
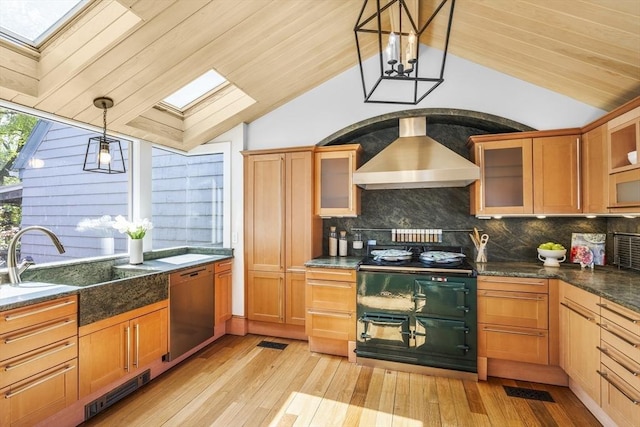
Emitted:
<point x="335" y="192"/>
<point x="527" y="173"/>
<point x="623" y="137"/>
<point x="595" y="171"/>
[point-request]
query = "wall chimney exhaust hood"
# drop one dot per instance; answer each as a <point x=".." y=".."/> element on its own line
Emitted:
<point x="415" y="160"/>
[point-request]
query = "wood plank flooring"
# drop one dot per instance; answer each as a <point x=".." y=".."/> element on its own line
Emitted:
<point x="233" y="382"/>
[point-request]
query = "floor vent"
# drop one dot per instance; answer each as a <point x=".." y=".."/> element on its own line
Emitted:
<point x="108" y="399"/>
<point x="273" y="345"/>
<point x="527" y="393"/>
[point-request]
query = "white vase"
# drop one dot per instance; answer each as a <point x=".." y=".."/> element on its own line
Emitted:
<point x="135" y="251"/>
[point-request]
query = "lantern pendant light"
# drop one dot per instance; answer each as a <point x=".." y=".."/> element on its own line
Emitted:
<point x="104" y="154"/>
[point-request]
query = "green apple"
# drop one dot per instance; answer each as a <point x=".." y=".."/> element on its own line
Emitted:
<point x="557" y="247"/>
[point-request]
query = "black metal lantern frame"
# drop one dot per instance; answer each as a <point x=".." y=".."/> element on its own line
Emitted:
<point x="104" y="154"/>
<point x="398" y="78"/>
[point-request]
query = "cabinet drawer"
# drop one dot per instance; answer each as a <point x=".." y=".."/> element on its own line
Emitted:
<point x="326" y="295"/>
<point x="510" y="343"/>
<point x="579" y="297"/>
<point x="624" y="367"/>
<point x="515" y="284"/>
<point x="30" y="401"/>
<point x="619" y="398"/>
<point x="331" y="324"/>
<point x="338" y="274"/>
<point x="23" y="317"/>
<point x="30" y="363"/>
<point x="27" y="339"/>
<point x="221" y="266"/>
<point x="521" y="309"/>
<point x="622" y="316"/>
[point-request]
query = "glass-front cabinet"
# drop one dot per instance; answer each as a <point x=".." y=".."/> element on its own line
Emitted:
<point x="336" y="194"/>
<point x="623" y="139"/>
<point x="505" y="185"/>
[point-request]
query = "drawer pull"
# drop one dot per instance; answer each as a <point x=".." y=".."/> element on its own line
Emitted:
<point x="590" y="319"/>
<point x="488" y="294"/>
<point x="39" y="356"/>
<point x="10" y="317"/>
<point x="631" y="343"/>
<point x="13" y="339"/>
<point x="617" y="387"/>
<point x="631" y="371"/>
<point x="333" y="273"/>
<point x="625" y="317"/>
<point x="38" y="382"/>
<point x="505" y="331"/>
<point x="224" y="264"/>
<point x="330" y="314"/>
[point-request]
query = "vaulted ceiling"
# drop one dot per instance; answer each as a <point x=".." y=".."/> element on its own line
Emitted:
<point x="271" y="51"/>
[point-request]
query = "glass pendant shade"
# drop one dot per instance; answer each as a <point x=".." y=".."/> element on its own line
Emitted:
<point x="104" y="154"/>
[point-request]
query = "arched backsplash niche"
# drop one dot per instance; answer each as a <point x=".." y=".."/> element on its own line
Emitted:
<point x="511" y="239"/>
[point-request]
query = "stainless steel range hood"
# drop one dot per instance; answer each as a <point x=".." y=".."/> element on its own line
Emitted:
<point x="415" y="161"/>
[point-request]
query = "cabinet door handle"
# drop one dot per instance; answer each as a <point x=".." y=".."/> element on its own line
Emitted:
<point x="505" y="331"/>
<point x="330" y="314"/>
<point x="39" y="356"/>
<point x="15" y="338"/>
<point x="26" y="387"/>
<point x="590" y="319"/>
<point x="625" y="317"/>
<point x="136" y="359"/>
<point x="481" y="158"/>
<point x="617" y="387"/>
<point x="631" y="343"/>
<point x="626" y="368"/>
<point x="128" y="349"/>
<point x="10" y="317"/>
<point x="488" y="294"/>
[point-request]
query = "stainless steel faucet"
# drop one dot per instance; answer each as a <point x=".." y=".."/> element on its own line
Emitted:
<point x="16" y="269"/>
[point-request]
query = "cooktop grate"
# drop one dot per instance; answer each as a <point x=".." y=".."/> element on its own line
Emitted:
<point x="626" y="250"/>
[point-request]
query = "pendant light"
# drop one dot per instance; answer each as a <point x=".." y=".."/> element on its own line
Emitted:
<point x="104" y="154"/>
<point x="393" y="30"/>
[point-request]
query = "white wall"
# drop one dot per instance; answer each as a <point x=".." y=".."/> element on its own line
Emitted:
<point x="338" y="103"/>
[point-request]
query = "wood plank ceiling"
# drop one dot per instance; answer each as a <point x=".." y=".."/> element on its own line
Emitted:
<point x="271" y="51"/>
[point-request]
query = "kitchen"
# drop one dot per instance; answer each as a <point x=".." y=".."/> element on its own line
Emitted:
<point x="312" y="117"/>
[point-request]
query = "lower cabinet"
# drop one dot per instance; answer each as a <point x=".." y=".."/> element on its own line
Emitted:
<point x="38" y="361"/>
<point x="620" y="363"/>
<point x="116" y="347"/>
<point x="580" y="338"/>
<point x="331" y="310"/>
<point x="276" y="297"/>
<point x="223" y="290"/>
<point x="517" y="330"/>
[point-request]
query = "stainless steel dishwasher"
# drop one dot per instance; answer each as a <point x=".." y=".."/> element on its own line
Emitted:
<point x="191" y="308"/>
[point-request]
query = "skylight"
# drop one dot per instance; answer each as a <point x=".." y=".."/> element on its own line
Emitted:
<point x="194" y="90"/>
<point x="32" y="21"/>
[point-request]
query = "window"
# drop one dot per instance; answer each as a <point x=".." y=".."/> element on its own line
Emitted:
<point x="32" y="21"/>
<point x="195" y="90"/>
<point x="55" y="192"/>
<point x="187" y="199"/>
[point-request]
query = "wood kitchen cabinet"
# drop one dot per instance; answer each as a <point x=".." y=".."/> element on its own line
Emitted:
<point x="580" y="338"/>
<point x="517" y="330"/>
<point x="619" y="363"/>
<point x="527" y="173"/>
<point x="38" y="359"/>
<point x="595" y="171"/>
<point x="118" y="347"/>
<point x="222" y="291"/>
<point x="282" y="233"/>
<point x="331" y="310"/>
<point x="335" y="192"/>
<point x="623" y="136"/>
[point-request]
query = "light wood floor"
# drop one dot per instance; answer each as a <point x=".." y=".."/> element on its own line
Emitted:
<point x="235" y="383"/>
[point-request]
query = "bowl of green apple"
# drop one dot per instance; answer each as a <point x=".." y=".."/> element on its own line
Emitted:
<point x="551" y="254"/>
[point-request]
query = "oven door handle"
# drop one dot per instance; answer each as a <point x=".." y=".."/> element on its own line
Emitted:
<point x="461" y="328"/>
<point x="463" y="347"/>
<point x="463" y="308"/>
<point x="463" y="290"/>
<point x="417" y="297"/>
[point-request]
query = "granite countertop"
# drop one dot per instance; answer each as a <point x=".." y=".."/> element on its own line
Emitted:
<point x="346" y="262"/>
<point x="129" y="287"/>
<point x="619" y="286"/>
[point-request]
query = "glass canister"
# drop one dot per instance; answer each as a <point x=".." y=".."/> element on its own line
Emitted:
<point x="342" y="244"/>
<point x="333" y="242"/>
